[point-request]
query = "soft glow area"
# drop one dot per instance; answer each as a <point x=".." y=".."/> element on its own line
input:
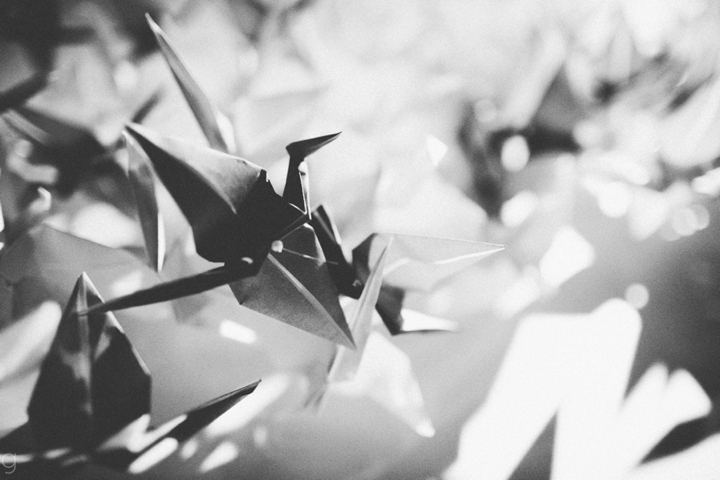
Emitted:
<point x="568" y="255"/>
<point x="141" y="442"/>
<point x="269" y="391"/>
<point x="385" y="375"/>
<point x="637" y="295"/>
<point x="223" y="454"/>
<point x="155" y="455"/>
<point x="699" y="462"/>
<point x="104" y="224"/>
<point x="707" y="184"/>
<point x="614" y="199"/>
<point x="24" y="343"/>
<point x="648" y="213"/>
<point x="260" y="436"/>
<point x="56" y="453"/>
<point x="237" y="332"/>
<point x="515" y="153"/>
<point x="551" y="360"/>
<point x="616" y="164"/>
<point x="418" y="321"/>
<point x="189" y="449"/>
<point x="653" y="21"/>
<point x="161" y="241"/>
<point x="519" y="208"/>
<point x="520" y="294"/>
<point x="131" y="282"/>
<point x="576" y="367"/>
<point x="436" y="149"/>
<point x="133" y="436"/>
<point x="686" y="221"/>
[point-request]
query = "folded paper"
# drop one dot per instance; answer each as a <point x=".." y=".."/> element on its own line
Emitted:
<point x="91" y="401"/>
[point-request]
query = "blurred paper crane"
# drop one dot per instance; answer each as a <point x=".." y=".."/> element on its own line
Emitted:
<point x="92" y="399"/>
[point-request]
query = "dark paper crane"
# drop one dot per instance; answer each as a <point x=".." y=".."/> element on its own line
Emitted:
<point x="91" y="402"/>
<point x="237" y="219"/>
<point x="275" y="269"/>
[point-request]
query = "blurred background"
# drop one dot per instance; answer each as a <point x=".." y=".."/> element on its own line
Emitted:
<point x="583" y="135"/>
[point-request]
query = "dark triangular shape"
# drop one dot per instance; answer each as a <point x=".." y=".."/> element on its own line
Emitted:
<point x="92" y="382"/>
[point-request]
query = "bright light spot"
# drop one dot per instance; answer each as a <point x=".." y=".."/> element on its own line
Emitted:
<point x="615" y="164"/>
<point x="268" y="392"/>
<point x="57" y="453"/>
<point x="702" y="216"/>
<point x="106" y="225"/>
<point x="521" y="294"/>
<point x="568" y="255"/>
<point x="516" y="210"/>
<point x="576" y="368"/>
<point x="260" y="436"/>
<point x="436" y="149"/>
<point x="708" y="184"/>
<point x="132" y="437"/>
<point x="702" y="459"/>
<point x="614" y="199"/>
<point x="277" y="246"/>
<point x="515" y="153"/>
<point x="155" y="455"/>
<point x="682" y="223"/>
<point x="237" y="332"/>
<point x="189" y="246"/>
<point x="128" y="283"/>
<point x="687" y="396"/>
<point x="588" y="134"/>
<point x="425" y="429"/>
<point x="161" y="243"/>
<point x="385" y="374"/>
<point x="637" y="295"/>
<point x="189" y="449"/>
<point x="415" y="320"/>
<point x="223" y="454"/>
<point x="648" y="213"/>
<point x="554" y="363"/>
<point x="689" y="220"/>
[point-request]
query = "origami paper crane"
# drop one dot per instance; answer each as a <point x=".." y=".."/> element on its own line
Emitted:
<point x="414" y="263"/>
<point x="92" y="399"/>
<point x="72" y="149"/>
<point x="237" y="218"/>
<point x="294" y="272"/>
